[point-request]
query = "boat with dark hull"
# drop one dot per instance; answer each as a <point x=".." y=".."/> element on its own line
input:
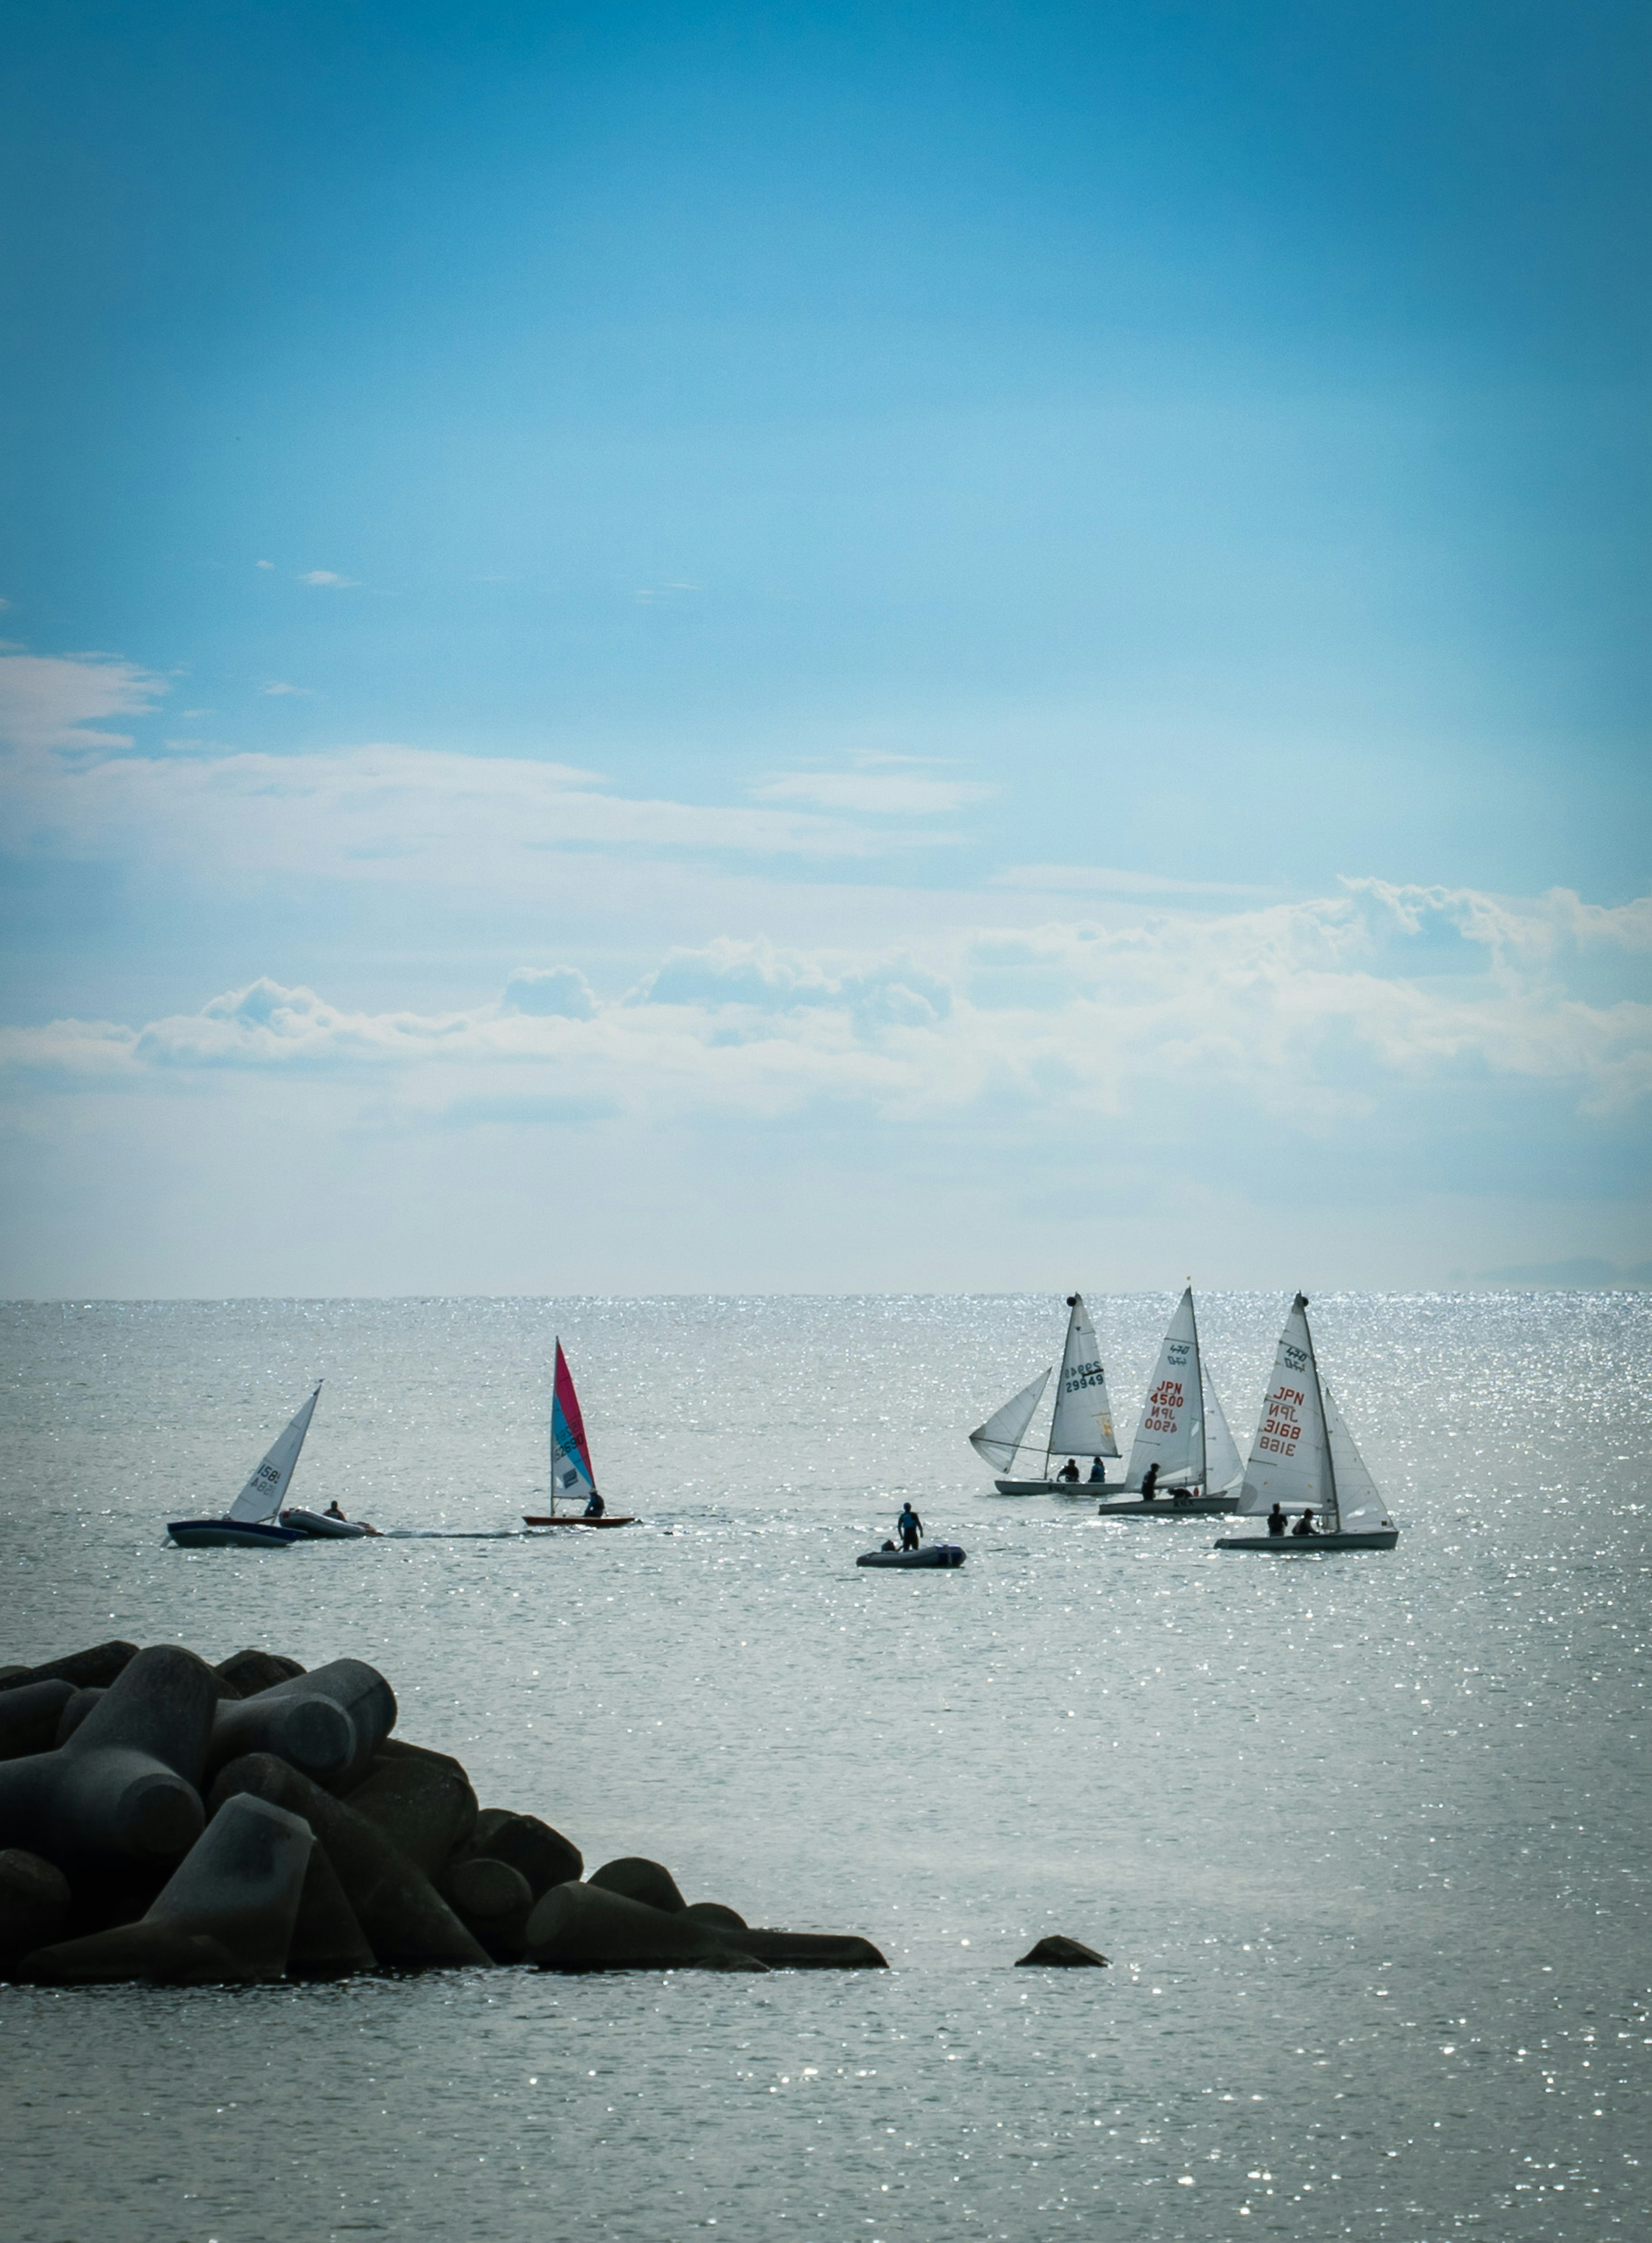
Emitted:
<point x="252" y="1521"/>
<point x="1082" y="1424"/>
<point x="943" y="1554"/>
<point x="1183" y="1463"/>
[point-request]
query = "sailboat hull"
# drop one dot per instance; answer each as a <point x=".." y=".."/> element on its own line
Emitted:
<point x="1165" y="1507"/>
<point x="1046" y="1486"/>
<point x="230" y="1534"/>
<point x="1309" y="1545"/>
<point x="572" y="1519"/>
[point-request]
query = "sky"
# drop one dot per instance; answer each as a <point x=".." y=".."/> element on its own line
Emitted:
<point x="703" y="648"/>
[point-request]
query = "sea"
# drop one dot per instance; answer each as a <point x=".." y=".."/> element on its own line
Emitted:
<point x="1364" y="1838"/>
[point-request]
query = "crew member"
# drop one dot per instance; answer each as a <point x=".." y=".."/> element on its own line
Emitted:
<point x="1150" y="1483"/>
<point x="910" y="1527"/>
<point x="1276" y="1521"/>
<point x="1069" y="1470"/>
<point x="596" y="1507"/>
<point x="1304" y="1525"/>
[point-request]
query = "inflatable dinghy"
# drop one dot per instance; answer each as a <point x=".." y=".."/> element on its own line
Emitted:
<point x="933" y="1553"/>
<point x="320" y="1527"/>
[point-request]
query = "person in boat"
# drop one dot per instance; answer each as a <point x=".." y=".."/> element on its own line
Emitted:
<point x="1097" y="1473"/>
<point x="333" y="1510"/>
<point x="1183" y="1495"/>
<point x="596" y="1507"/>
<point x="1304" y="1525"/>
<point x="1150" y="1483"/>
<point x="910" y="1527"/>
<point x="1276" y="1521"/>
<point x="1070" y="1470"/>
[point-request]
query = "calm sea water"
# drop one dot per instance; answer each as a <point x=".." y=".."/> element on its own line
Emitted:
<point x="1365" y="1838"/>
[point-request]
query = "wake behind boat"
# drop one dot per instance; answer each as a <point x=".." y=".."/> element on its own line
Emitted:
<point x="251" y="1521"/>
<point x="1081" y="1425"/>
<point x="1304" y="1460"/>
<point x="1183" y="1463"/>
<point x="571" y="1472"/>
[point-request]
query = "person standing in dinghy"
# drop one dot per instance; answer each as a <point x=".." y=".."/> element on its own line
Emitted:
<point x="910" y="1527"/>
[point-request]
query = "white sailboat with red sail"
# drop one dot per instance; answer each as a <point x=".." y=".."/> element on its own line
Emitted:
<point x="571" y="1473"/>
<point x="1081" y="1425"/>
<point x="1304" y="1465"/>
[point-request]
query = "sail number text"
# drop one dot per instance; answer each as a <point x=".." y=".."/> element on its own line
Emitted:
<point x="1281" y="1428"/>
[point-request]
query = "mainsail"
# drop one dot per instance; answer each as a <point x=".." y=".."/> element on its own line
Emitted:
<point x="262" y="1496"/>
<point x="1083" y="1425"/>
<point x="1172" y="1432"/>
<point x="1291" y="1462"/>
<point x="1004" y="1431"/>
<point x="1359" y="1507"/>
<point x="570" y="1457"/>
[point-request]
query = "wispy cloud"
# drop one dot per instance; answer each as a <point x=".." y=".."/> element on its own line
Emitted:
<point x="1095" y="879"/>
<point x="49" y="701"/>
<point x="879" y="794"/>
<point x="278" y="686"/>
<point x="330" y="578"/>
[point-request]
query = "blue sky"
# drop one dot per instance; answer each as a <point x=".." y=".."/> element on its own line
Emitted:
<point x="1024" y="626"/>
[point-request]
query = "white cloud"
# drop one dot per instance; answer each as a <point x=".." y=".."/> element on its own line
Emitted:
<point x="1298" y="1013"/>
<point x="1095" y="879"/>
<point x="49" y="701"/>
<point x="328" y="576"/>
<point x="278" y="686"/>
<point x="879" y="794"/>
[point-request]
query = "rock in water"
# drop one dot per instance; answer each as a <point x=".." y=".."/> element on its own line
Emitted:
<point x="328" y="1723"/>
<point x="808" y="1950"/>
<point x="590" y="1927"/>
<point x="34" y="1902"/>
<point x="544" y="1856"/>
<point x="406" y="1920"/>
<point x="494" y="1901"/>
<point x="1057" y="1952"/>
<point x="100" y="1666"/>
<point x="421" y="1801"/>
<point x="249" y="1671"/>
<point x="124" y="1788"/>
<point x="30" y="1716"/>
<point x="714" y="1912"/>
<point x="238" y="1887"/>
<point x="638" y="1880"/>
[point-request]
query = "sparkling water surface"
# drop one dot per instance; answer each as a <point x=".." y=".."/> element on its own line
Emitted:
<point x="1365" y="1838"/>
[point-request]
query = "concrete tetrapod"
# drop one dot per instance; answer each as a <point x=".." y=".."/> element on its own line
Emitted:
<point x="494" y="1901"/>
<point x="29" y="1717"/>
<point x="329" y="1722"/>
<point x="327" y="1942"/>
<point x="588" y="1928"/>
<point x="421" y="1801"/>
<point x="246" y="1673"/>
<point x="123" y="1789"/>
<point x="99" y="1666"/>
<point x="238" y="1887"/>
<point x="638" y="1879"/>
<point x="405" y="1919"/>
<point x="544" y="1856"/>
<point x="808" y="1950"/>
<point x="34" y="1902"/>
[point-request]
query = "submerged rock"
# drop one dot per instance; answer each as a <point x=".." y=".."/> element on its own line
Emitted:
<point x="1057" y="1952"/>
<point x="808" y="1950"/>
<point x="590" y="1927"/>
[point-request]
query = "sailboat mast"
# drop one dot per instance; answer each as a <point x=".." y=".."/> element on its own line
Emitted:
<point x="1202" y="1482"/>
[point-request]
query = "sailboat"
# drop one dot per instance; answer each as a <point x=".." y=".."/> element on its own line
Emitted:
<point x="1082" y="1424"/>
<point x="1304" y="1458"/>
<point x="1184" y="1433"/>
<point x="571" y="1473"/>
<point x="250" y="1523"/>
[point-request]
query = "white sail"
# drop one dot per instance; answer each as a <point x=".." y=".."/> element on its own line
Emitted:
<point x="1224" y="1466"/>
<point x="1171" y="1423"/>
<point x="1360" y="1509"/>
<point x="1004" y="1431"/>
<point x="1290" y="1462"/>
<point x="1084" y="1421"/>
<point x="265" y="1493"/>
